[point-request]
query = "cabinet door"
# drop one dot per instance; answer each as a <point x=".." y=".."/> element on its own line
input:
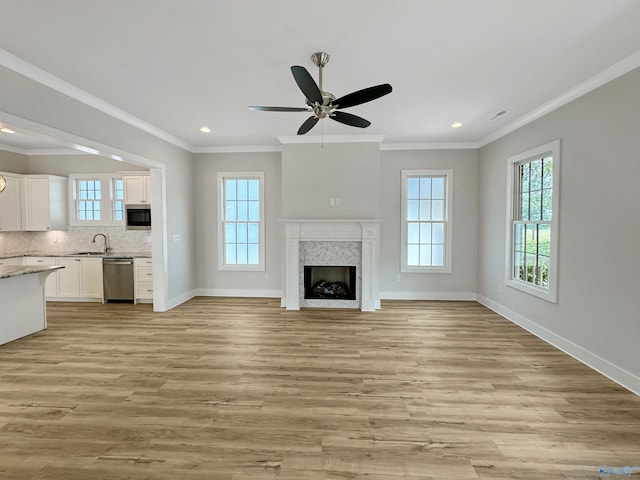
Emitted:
<point x="135" y="189"/>
<point x="69" y="277"/>
<point x="51" y="287"/>
<point x="10" y="205"/>
<point x="91" y="278"/>
<point x="37" y="204"/>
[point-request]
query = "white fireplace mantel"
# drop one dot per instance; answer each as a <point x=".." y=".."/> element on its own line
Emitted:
<point x="366" y="231"/>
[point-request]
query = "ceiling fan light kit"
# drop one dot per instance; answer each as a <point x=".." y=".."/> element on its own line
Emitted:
<point x="324" y="104"/>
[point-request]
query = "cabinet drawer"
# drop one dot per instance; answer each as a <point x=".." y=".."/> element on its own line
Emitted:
<point x="144" y="274"/>
<point x="144" y="290"/>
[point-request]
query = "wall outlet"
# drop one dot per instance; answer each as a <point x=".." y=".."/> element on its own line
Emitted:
<point x="266" y="276"/>
<point x="176" y="237"/>
<point x="500" y="287"/>
<point x="332" y="202"/>
<point x="397" y="278"/>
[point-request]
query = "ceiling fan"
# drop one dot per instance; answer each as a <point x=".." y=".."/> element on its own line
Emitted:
<point x="324" y="104"/>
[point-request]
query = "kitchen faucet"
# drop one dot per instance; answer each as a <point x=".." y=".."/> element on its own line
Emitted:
<point x="106" y="241"/>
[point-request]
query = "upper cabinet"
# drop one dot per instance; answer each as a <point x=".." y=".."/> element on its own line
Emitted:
<point x="137" y="189"/>
<point x="11" y="203"/>
<point x="45" y="203"/>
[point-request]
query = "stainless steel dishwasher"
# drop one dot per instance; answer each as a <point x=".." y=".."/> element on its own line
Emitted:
<point x="117" y="279"/>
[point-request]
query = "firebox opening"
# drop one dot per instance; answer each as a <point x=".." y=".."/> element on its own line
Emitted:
<point x="330" y="282"/>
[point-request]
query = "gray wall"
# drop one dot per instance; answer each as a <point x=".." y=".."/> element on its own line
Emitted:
<point x="312" y="174"/>
<point x="461" y="282"/>
<point x="379" y="197"/>
<point x="210" y="280"/>
<point x="598" y="310"/>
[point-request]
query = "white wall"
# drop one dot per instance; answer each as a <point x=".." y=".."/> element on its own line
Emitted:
<point x="597" y="317"/>
<point x="461" y="282"/>
<point x="210" y="280"/>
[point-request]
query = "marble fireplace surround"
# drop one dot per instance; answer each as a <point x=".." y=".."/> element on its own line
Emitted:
<point x="364" y="231"/>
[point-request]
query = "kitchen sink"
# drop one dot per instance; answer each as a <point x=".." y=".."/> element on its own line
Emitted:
<point x="88" y="254"/>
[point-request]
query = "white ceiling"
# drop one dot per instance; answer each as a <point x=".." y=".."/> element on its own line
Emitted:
<point x="172" y="66"/>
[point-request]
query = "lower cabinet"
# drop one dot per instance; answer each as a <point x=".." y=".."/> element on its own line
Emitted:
<point x="80" y="279"/>
<point x="51" y="287"/>
<point x="12" y="261"/>
<point x="143" y="279"/>
<point x="91" y="278"/>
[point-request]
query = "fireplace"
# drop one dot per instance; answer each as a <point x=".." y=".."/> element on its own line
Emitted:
<point x="330" y="282"/>
<point x="329" y="243"/>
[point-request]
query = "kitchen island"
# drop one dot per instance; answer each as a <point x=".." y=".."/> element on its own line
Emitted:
<point x="23" y="309"/>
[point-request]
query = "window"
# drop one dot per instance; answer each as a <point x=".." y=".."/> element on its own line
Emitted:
<point x="532" y="226"/>
<point x="241" y="225"/>
<point x="117" y="186"/>
<point x="426" y="221"/>
<point x="96" y="199"/>
<point x="89" y="199"/>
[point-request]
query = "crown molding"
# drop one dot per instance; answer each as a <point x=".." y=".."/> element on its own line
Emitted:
<point x="36" y="74"/>
<point x="430" y="146"/>
<point x="238" y="149"/>
<point x="308" y="139"/>
<point x="616" y="70"/>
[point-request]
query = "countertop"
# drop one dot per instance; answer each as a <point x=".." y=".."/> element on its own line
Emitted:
<point x="7" y="271"/>
<point x="76" y="254"/>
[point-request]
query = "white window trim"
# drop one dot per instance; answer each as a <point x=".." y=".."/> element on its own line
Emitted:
<point x="551" y="293"/>
<point x="260" y="267"/>
<point x="106" y="203"/>
<point x="447" y="268"/>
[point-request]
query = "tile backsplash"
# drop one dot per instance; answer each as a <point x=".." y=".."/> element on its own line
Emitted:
<point x="75" y="239"/>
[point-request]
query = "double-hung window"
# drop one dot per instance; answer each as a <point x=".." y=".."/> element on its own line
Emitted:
<point x="97" y="199"/>
<point x="241" y="225"/>
<point x="532" y="224"/>
<point x="426" y="221"/>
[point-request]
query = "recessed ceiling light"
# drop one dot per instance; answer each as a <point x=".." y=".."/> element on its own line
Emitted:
<point x="456" y="124"/>
<point x="205" y="129"/>
<point x="6" y="130"/>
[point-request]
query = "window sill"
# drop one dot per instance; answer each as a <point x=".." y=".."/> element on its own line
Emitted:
<point x="543" y="293"/>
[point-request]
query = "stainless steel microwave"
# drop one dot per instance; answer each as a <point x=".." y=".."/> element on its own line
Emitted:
<point x="138" y="217"/>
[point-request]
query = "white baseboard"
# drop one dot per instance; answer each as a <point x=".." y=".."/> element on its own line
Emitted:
<point x="180" y="299"/>
<point x="219" y="292"/>
<point x="450" y="296"/>
<point x="591" y="360"/>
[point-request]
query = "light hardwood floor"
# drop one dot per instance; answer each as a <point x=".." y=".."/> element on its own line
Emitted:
<point x="230" y="389"/>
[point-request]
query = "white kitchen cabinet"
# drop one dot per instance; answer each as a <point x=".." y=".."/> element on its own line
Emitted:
<point x="143" y="279"/>
<point x="11" y="203"/>
<point x="137" y="189"/>
<point x="45" y="203"/>
<point x="91" y="278"/>
<point x="69" y="277"/>
<point x="51" y="287"/>
<point x="12" y="261"/>
<point x="81" y="278"/>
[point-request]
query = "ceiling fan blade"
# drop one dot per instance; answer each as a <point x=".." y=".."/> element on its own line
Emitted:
<point x="308" y="124"/>
<point x="278" y="109"/>
<point x="307" y="84"/>
<point x="349" y="119"/>
<point x="362" y="96"/>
